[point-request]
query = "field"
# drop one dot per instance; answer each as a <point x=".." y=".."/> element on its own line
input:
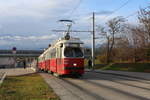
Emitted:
<point x="29" y="87"/>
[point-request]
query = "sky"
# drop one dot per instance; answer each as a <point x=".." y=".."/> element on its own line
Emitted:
<point x="28" y="24"/>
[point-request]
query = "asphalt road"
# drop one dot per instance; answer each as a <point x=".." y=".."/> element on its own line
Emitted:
<point x="98" y="86"/>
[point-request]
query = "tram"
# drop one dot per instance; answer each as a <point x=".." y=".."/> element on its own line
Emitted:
<point x="64" y="57"/>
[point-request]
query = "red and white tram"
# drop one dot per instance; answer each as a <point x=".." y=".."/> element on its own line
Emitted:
<point x="64" y="57"/>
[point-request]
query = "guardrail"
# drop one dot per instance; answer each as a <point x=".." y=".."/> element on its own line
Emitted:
<point x="2" y="77"/>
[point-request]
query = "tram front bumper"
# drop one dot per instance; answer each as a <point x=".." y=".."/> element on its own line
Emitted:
<point x="73" y="70"/>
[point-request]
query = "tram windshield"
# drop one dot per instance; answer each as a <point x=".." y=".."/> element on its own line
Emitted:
<point x="73" y="52"/>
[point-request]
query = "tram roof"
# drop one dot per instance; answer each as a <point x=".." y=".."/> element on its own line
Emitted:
<point x="71" y="40"/>
<point x="64" y="41"/>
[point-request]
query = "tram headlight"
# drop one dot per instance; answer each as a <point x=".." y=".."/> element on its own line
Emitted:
<point x="74" y="64"/>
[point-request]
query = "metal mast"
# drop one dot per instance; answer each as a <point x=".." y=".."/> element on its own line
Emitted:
<point x="93" y="42"/>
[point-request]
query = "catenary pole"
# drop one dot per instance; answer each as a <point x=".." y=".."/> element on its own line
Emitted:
<point x="93" y="41"/>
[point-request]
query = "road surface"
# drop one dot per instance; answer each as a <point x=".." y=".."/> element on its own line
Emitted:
<point x="99" y="86"/>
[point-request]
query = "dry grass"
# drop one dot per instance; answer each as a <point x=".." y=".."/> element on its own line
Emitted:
<point x="29" y="87"/>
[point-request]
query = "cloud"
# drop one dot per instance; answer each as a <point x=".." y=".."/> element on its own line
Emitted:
<point x="28" y="23"/>
<point x="35" y="8"/>
<point x="26" y="42"/>
<point x="33" y="38"/>
<point x="33" y="11"/>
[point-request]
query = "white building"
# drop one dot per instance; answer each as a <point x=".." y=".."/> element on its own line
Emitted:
<point x="8" y="59"/>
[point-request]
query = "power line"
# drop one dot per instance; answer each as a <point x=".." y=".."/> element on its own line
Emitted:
<point x="117" y="9"/>
<point x="75" y="8"/>
<point x="133" y="14"/>
<point x="124" y="4"/>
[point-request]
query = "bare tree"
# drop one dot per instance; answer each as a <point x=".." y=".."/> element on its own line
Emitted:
<point x="140" y="35"/>
<point x="112" y="28"/>
<point x="135" y="38"/>
<point x="139" y="42"/>
<point x="144" y="19"/>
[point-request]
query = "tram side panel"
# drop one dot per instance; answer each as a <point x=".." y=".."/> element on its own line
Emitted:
<point x="48" y="67"/>
<point x="44" y="65"/>
<point x="53" y="64"/>
<point x="40" y="65"/>
<point x="60" y="66"/>
<point x="59" y="61"/>
<point x="47" y="61"/>
<point x="53" y="60"/>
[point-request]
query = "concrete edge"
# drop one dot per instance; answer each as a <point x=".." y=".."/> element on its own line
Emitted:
<point x="3" y="77"/>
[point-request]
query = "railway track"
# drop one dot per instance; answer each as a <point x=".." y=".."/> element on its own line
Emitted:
<point x="100" y="86"/>
<point x="126" y="77"/>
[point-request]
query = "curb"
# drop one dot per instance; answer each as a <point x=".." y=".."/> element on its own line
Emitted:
<point x="3" y="77"/>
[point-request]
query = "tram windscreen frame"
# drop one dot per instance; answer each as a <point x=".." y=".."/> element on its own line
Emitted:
<point x="73" y="52"/>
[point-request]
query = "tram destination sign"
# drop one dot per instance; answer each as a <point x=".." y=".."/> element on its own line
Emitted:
<point x="73" y="44"/>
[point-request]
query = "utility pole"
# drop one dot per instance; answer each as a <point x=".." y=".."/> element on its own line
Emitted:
<point x="93" y="41"/>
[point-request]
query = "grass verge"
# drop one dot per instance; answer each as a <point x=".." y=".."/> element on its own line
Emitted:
<point x="28" y="87"/>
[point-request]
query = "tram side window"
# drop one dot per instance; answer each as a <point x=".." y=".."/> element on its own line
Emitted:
<point x="53" y="53"/>
<point x="45" y="56"/>
<point x="49" y="55"/>
<point x="42" y="58"/>
<point x="59" y="52"/>
<point x="38" y="59"/>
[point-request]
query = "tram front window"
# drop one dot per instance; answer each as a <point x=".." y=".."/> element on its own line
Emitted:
<point x="73" y="52"/>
